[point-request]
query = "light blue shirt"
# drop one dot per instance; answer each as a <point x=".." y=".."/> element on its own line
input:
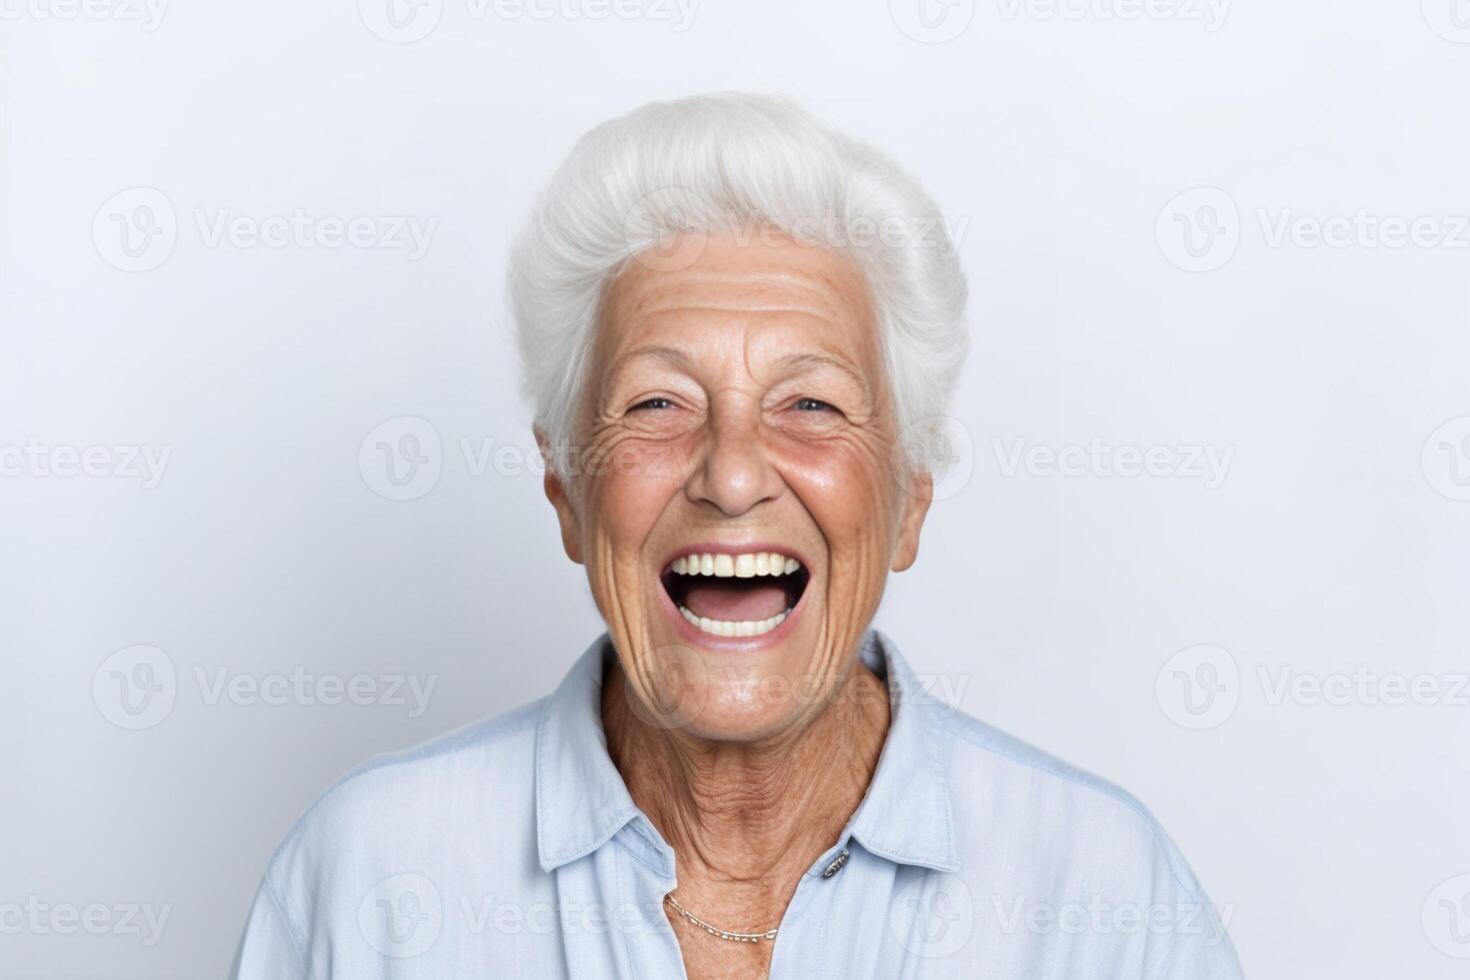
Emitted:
<point x="511" y="848"/>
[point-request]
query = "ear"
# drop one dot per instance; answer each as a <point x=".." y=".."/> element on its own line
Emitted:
<point x="556" y="492"/>
<point x="919" y="491"/>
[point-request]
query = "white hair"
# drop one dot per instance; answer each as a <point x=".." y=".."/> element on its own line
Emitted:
<point x="722" y="164"/>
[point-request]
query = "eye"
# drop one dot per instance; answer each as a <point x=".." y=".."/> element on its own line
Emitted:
<point x="657" y="402"/>
<point x="813" y="405"/>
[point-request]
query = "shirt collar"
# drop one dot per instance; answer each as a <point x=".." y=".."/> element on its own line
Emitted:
<point x="906" y="816"/>
<point x="581" y="800"/>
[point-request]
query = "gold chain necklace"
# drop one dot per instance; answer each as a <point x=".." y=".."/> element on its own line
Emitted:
<point x="734" y="937"/>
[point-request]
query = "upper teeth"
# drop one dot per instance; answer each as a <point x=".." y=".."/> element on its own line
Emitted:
<point x="747" y="565"/>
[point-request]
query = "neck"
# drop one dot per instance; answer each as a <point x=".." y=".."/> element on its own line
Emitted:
<point x="747" y="819"/>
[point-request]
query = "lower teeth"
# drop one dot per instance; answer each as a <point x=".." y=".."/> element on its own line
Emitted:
<point x="720" y="627"/>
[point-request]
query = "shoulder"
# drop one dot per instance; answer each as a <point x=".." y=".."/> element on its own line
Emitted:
<point x="1078" y="826"/>
<point x="1052" y="851"/>
<point x="386" y="813"/>
<point x="394" y="833"/>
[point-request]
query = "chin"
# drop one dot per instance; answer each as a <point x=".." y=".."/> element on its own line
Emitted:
<point x="712" y="692"/>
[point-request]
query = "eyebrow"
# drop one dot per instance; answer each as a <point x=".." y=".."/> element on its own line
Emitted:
<point x="672" y="355"/>
<point x="803" y="362"/>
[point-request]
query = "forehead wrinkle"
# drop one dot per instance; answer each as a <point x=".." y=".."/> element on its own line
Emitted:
<point x="672" y="355"/>
<point x="815" y="292"/>
<point x="824" y="289"/>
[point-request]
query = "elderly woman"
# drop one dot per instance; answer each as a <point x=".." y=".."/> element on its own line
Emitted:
<point x="738" y="328"/>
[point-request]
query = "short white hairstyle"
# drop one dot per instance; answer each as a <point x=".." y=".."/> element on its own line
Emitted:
<point x="723" y="164"/>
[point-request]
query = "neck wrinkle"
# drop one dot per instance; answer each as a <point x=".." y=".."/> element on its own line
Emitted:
<point x="751" y="814"/>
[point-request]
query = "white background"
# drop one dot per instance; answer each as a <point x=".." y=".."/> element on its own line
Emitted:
<point x="1050" y="604"/>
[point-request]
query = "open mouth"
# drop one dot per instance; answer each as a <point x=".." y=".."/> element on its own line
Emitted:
<point x="744" y="594"/>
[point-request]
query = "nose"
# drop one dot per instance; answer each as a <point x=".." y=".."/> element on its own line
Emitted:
<point x="735" y="473"/>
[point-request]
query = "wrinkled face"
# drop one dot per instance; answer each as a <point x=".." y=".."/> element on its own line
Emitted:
<point x="739" y="496"/>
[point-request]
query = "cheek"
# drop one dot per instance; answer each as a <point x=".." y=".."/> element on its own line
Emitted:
<point x="848" y="486"/>
<point x="629" y="483"/>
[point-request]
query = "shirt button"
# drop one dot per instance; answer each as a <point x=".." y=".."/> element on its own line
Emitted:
<point x="836" y="864"/>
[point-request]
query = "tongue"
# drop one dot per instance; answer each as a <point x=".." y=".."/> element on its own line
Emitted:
<point x="733" y="603"/>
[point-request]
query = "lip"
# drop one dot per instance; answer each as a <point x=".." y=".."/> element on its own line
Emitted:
<point x="735" y="644"/>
